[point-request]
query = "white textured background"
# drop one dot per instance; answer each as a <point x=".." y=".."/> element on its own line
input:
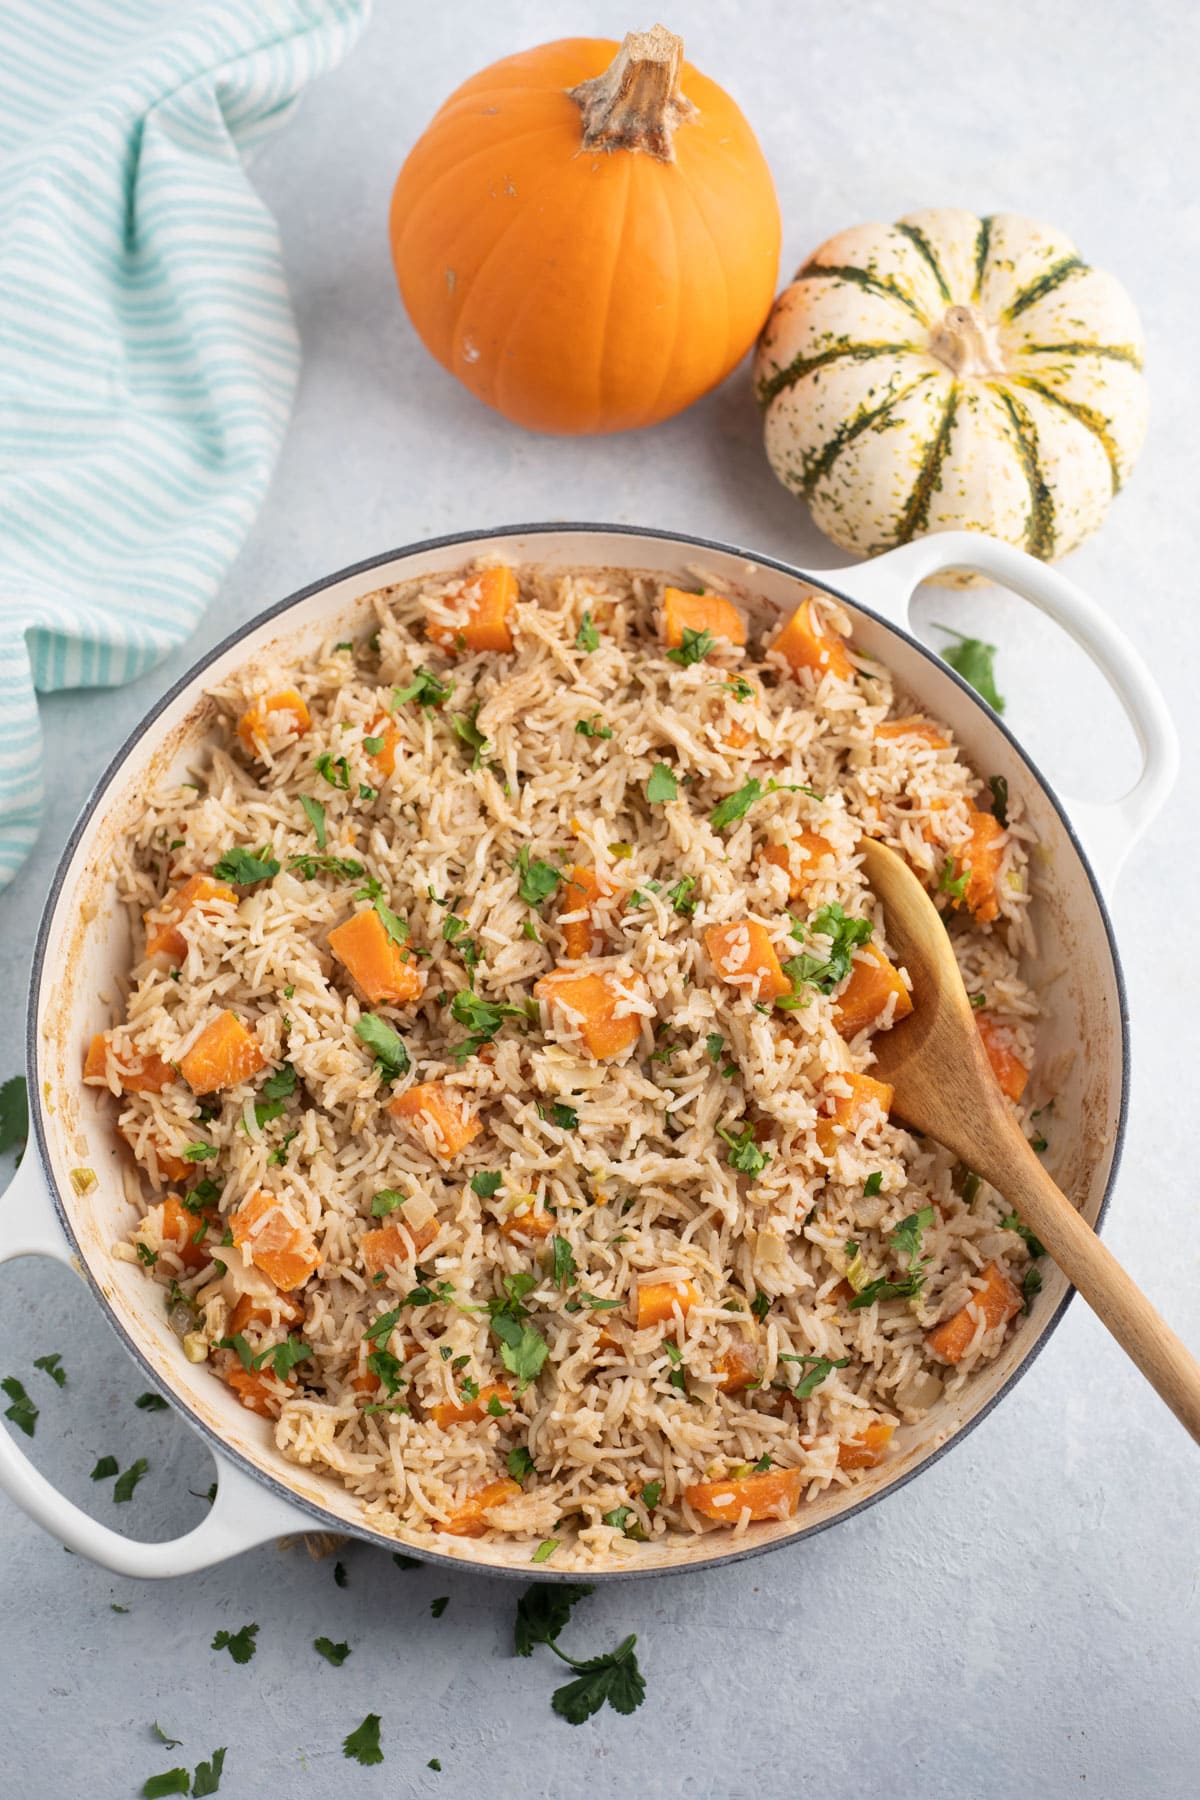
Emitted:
<point x="1021" y="1620"/>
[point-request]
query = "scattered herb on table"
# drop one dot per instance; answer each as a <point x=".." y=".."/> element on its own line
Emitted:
<point x="975" y="662"/>
<point x="151" y="1403"/>
<point x="52" y="1366"/>
<point x="437" y="1607"/>
<point x="333" y="1653"/>
<point x="362" y="1745"/>
<point x="240" y="1644"/>
<point x="107" y="1465"/>
<point x="614" y="1678"/>
<point x="339" y="1570"/>
<point x="14" y="1114"/>
<point x="22" y="1412"/>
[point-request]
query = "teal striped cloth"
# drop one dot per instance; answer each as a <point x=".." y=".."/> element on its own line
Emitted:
<point x="148" y="354"/>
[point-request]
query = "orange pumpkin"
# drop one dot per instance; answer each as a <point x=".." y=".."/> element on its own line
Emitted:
<point x="587" y="234"/>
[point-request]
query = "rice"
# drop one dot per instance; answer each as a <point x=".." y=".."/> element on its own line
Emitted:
<point x="691" y="1158"/>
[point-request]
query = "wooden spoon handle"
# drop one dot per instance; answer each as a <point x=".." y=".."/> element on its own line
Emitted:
<point x="1113" y="1296"/>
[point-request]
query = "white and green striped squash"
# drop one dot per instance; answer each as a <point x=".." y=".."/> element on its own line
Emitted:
<point x="951" y="372"/>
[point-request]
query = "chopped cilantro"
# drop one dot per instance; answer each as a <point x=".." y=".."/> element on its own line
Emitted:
<point x="385" y="1044"/>
<point x="662" y="785"/>
<point x="565" y="1117"/>
<point x="333" y="1653"/>
<point x="335" y="770"/>
<point x="587" y="638"/>
<point x="744" y="1154"/>
<point x="652" y="1494"/>
<point x="536" y="880"/>
<point x="315" y="814"/>
<point x="362" y="1745"/>
<point x="309" y="867"/>
<point x="207" y="1778"/>
<point x="22" y="1412"/>
<point x="464" y="726"/>
<point x="818" y="1368"/>
<point x="952" y="884"/>
<point x="487" y="1183"/>
<point x="396" y="928"/>
<point x="108" y="1465"/>
<point x="1031" y="1285"/>
<point x="151" y="1403"/>
<point x="171" y="1781"/>
<point x="975" y="662"/>
<point x="693" y="649"/>
<point x="482" y="1018"/>
<point x="874" y="1183"/>
<point x="1034" y="1245"/>
<point x="565" y="1267"/>
<point x="437" y="1607"/>
<point x="424" y="688"/>
<point x="201" y="1153"/>
<point x="125" y="1484"/>
<point x="760" y="1306"/>
<point x="52" y="1366"/>
<point x="680" y="896"/>
<point x="545" y="1550"/>
<point x="824" y="972"/>
<point x="522" y="1349"/>
<point x="591" y="728"/>
<point x="146" y="1256"/>
<point x="240" y="1644"/>
<point x="14" y="1114"/>
<point x="999" y="787"/>
<point x="386" y="1201"/>
<point x="735" y="806"/>
<point x="245" y="867"/>
<point x="520" y="1463"/>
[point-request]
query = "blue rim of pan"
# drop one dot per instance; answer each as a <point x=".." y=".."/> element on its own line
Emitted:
<point x="330" y="1521"/>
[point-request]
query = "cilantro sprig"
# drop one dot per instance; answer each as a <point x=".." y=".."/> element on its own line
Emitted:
<point x="613" y="1679"/>
<point x="824" y="972"/>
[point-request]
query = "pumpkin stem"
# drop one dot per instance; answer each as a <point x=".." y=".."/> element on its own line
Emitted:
<point x="967" y="343"/>
<point x="636" y="104"/>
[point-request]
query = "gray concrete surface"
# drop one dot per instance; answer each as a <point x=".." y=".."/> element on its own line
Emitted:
<point x="1023" y="1619"/>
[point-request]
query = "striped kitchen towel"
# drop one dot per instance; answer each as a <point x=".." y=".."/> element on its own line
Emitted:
<point x="148" y="355"/>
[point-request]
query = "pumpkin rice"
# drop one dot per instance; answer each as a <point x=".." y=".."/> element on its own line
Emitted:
<point x="549" y="1244"/>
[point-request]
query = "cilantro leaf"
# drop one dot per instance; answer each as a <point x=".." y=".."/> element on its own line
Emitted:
<point x="587" y="638"/>
<point x="465" y="727"/>
<point x="245" y="867"/>
<point x="591" y="728"/>
<point x="999" y="787"/>
<point x="906" y="1238"/>
<point x="335" y="769"/>
<point x="483" y="1019"/>
<point x="536" y="880"/>
<point x="52" y="1366"/>
<point x="818" y="1368"/>
<point x="1034" y="1245"/>
<point x="151" y="1403"/>
<point x="385" y="1044"/>
<point x="170" y="1742"/>
<point x="424" y="688"/>
<point x="523" y="1350"/>
<point x="565" y="1117"/>
<point x="694" y="647"/>
<point x="1031" y="1284"/>
<point x="662" y="785"/>
<point x="171" y="1781"/>
<point x="542" y="1611"/>
<point x="14" y="1114"/>
<point x="744" y="1154"/>
<point x="565" y="1267"/>
<point x="735" y="806"/>
<point x="396" y="927"/>
<point x="240" y="1644"/>
<point x="614" y="1678"/>
<point x="309" y="867"/>
<point x="207" y="1778"/>
<point x="315" y="814"/>
<point x="873" y="1184"/>
<point x="333" y="1653"/>
<point x="824" y="972"/>
<point x="652" y="1494"/>
<point x="108" y="1465"/>
<point x="520" y="1463"/>
<point x="545" y="1550"/>
<point x="760" y="1306"/>
<point x="680" y="896"/>
<point x="975" y="662"/>
<point x="22" y="1412"/>
<point x="883" y="1289"/>
<point x="362" y="1745"/>
<point x="280" y="1083"/>
<point x="487" y="1183"/>
<point x="201" y="1152"/>
<point x="386" y="1201"/>
<point x="952" y="884"/>
<point x="125" y="1484"/>
<point x="437" y="1607"/>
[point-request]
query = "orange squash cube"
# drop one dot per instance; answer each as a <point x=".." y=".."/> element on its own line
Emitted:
<point x="583" y="891"/>
<point x="142" y="1072"/>
<point x="799" y="860"/>
<point x="485" y="603"/>
<point x="700" y="612"/>
<point x="736" y="736"/>
<point x="394" y="1243"/>
<point x="176" y="1228"/>
<point x="848" y="1109"/>
<point x="533" y="1224"/>
<point x="742" y="954"/>
<point x="804" y="645"/>
<point x="775" y="1494"/>
<point x="270" y="715"/>
<point x="225" y="1053"/>
<point x="428" y="1103"/>
<point x="379" y="966"/>
<point x="257" y="1390"/>
<point x="470" y="1412"/>
<point x="737" y="1366"/>
<point x="1007" y="1067"/>
<point x="657" y="1300"/>
<point x="254" y="1309"/>
<point x="981" y="860"/>
<point x="590" y="1004"/>
<point x="386" y="733"/>
<point x="873" y="980"/>
<point x="866" y="1450"/>
<point x="162" y="921"/>
<point x="996" y="1302"/>
<point x="470" y="1519"/>
<point x="913" y="727"/>
<point x="272" y="1239"/>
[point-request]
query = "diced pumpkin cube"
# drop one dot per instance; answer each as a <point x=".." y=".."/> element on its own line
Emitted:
<point x="657" y="1300"/>
<point x="484" y="605"/>
<point x="470" y="1519"/>
<point x="981" y="860"/>
<point x="583" y="891"/>
<point x="225" y="1053"/>
<point x="873" y="981"/>
<point x="742" y="954"/>
<point x="735" y="737"/>
<point x="848" y="1109"/>
<point x="381" y="967"/>
<point x="1007" y="1066"/>
<point x="737" y="1366"/>
<point x="913" y="727"/>
<point x="395" y="1243"/>
<point x="429" y="1104"/>
<point x="162" y="921"/>
<point x="588" y="1004"/>
<point x="256" y="1309"/>
<point x="867" y="1449"/>
<point x="176" y="1227"/>
<point x="799" y="860"/>
<point x="996" y="1302"/>
<point x="272" y="715"/>
<point x="273" y="1239"/>
<point x="700" y="612"/>
<point x="804" y="645"/>
<point x="775" y="1494"/>
<point x="137" y="1071"/>
<point x="470" y="1412"/>
<point x="386" y="733"/>
<point x="256" y="1389"/>
<point x="533" y="1223"/>
<point x="170" y="1167"/>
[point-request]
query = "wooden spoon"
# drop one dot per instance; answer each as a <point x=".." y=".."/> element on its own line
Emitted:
<point x="944" y="1087"/>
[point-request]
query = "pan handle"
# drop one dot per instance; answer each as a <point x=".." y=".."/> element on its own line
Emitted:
<point x="1108" y="830"/>
<point x="244" y="1512"/>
